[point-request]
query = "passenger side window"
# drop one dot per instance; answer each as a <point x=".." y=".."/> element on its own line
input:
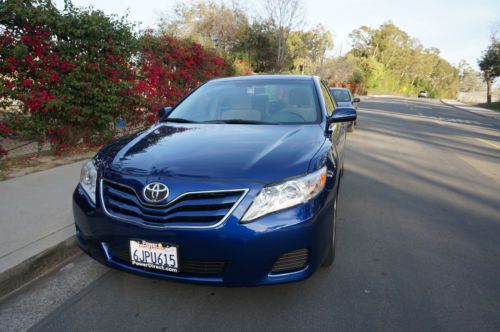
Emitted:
<point x="330" y="106"/>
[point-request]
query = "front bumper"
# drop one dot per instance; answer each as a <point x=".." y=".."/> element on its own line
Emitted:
<point x="248" y="251"/>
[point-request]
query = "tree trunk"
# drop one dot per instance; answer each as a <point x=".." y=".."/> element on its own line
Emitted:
<point x="488" y="89"/>
<point x="278" y="58"/>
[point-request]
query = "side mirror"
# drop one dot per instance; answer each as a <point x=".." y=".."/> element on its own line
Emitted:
<point x="163" y="112"/>
<point x="356" y="100"/>
<point x="343" y="114"/>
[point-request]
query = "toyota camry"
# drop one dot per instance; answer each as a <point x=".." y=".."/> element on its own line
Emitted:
<point x="235" y="185"/>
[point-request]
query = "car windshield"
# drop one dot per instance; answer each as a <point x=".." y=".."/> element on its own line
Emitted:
<point x="341" y="95"/>
<point x="257" y="101"/>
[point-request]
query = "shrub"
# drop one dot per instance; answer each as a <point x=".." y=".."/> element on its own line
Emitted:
<point x="168" y="68"/>
<point x="76" y="72"/>
<point x="70" y="70"/>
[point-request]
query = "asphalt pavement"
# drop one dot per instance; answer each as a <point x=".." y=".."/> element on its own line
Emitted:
<point x="418" y="247"/>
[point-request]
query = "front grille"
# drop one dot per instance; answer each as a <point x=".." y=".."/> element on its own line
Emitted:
<point x="205" y="208"/>
<point x="187" y="267"/>
<point x="291" y="261"/>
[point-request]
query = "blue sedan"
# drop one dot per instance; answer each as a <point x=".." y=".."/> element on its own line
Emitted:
<point x="236" y="185"/>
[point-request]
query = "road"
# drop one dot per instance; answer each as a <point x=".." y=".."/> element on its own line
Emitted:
<point x="418" y="247"/>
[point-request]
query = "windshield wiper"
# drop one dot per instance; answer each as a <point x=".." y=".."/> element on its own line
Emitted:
<point x="179" y="120"/>
<point x="241" y="121"/>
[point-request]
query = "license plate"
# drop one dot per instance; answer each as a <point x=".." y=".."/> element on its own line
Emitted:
<point x="158" y="256"/>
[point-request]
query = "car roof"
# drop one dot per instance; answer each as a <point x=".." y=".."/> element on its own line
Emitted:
<point x="266" y="77"/>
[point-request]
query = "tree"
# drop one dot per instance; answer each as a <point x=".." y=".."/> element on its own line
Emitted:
<point x="209" y="23"/>
<point x="362" y="42"/>
<point x="307" y="49"/>
<point x="469" y="79"/>
<point x="391" y="61"/>
<point x="489" y="64"/>
<point x="284" y="15"/>
<point x="339" y="70"/>
<point x="257" y="46"/>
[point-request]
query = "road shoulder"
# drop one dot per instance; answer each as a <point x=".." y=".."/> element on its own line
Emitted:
<point x="31" y="304"/>
<point x="37" y="266"/>
<point x="471" y="109"/>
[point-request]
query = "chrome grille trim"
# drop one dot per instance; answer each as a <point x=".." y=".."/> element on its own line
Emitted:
<point x="243" y="192"/>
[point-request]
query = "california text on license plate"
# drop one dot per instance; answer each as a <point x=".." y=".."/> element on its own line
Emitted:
<point x="154" y="255"/>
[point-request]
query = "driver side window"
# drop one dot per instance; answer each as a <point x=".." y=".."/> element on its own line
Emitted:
<point x="330" y="106"/>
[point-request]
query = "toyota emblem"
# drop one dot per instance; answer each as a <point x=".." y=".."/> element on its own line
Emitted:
<point x="155" y="192"/>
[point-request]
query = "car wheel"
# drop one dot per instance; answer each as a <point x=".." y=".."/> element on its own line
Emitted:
<point x="350" y="128"/>
<point x="331" y="250"/>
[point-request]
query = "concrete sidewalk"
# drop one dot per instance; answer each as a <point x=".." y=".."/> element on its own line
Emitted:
<point x="35" y="213"/>
<point x="473" y="109"/>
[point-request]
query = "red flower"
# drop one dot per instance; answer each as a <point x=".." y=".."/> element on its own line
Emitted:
<point x="27" y="83"/>
<point x="4" y="130"/>
<point x="9" y="84"/>
<point x="218" y="61"/>
<point x="28" y="59"/>
<point x="53" y="77"/>
<point x="66" y="66"/>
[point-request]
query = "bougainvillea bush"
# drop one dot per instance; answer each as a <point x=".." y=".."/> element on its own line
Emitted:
<point x="75" y="72"/>
<point x="169" y="68"/>
<point x="69" y="69"/>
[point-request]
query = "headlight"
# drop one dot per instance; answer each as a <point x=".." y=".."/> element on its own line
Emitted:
<point x="286" y="194"/>
<point x="88" y="179"/>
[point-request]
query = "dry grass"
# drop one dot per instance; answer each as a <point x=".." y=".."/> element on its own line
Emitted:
<point x="493" y="106"/>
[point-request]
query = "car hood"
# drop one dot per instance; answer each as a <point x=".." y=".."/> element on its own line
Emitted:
<point x="261" y="153"/>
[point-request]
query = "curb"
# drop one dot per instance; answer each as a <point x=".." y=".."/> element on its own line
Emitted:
<point x="451" y="105"/>
<point x="37" y="266"/>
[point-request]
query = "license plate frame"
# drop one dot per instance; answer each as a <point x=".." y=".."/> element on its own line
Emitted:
<point x="154" y="255"/>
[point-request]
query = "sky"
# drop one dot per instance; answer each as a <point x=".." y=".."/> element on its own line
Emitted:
<point x="459" y="28"/>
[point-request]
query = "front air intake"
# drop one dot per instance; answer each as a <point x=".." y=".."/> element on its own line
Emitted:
<point x="291" y="261"/>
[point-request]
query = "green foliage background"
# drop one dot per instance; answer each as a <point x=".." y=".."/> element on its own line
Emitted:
<point x="382" y="60"/>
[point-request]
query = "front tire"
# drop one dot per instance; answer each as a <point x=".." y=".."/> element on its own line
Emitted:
<point x="331" y="250"/>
